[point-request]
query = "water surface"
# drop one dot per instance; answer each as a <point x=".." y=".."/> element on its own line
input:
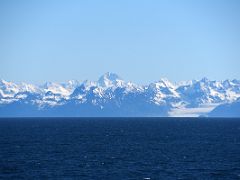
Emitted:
<point x="119" y="148"/>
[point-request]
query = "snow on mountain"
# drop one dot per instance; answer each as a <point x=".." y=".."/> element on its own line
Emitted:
<point x="56" y="88"/>
<point x="80" y="92"/>
<point x="205" y="91"/>
<point x="111" y="94"/>
<point x="8" y="89"/>
<point x="163" y="92"/>
<point x="71" y="84"/>
<point x="110" y="80"/>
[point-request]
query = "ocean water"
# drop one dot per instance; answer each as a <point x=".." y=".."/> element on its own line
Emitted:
<point x="119" y="148"/>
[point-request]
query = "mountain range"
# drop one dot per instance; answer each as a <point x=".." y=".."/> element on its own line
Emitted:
<point x="110" y="95"/>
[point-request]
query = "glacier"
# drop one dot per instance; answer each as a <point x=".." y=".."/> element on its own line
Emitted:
<point x="111" y="96"/>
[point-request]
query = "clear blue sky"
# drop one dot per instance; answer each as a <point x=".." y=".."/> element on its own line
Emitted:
<point x="142" y="41"/>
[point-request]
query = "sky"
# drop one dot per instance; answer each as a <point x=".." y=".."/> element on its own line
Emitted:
<point x="142" y="41"/>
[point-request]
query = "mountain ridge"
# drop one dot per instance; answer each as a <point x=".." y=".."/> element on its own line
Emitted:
<point x="110" y="95"/>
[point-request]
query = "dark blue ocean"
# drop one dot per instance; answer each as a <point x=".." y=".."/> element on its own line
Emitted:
<point x="119" y="148"/>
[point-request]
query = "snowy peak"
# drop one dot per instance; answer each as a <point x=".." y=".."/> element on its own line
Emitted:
<point x="205" y="91"/>
<point x="110" y="91"/>
<point x="109" y="80"/>
<point x="8" y="89"/>
<point x="71" y="84"/>
<point x="164" y="83"/>
<point x="24" y="87"/>
<point x="88" y="84"/>
<point x="63" y="89"/>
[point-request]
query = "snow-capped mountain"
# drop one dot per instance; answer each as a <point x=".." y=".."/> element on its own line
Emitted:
<point x="205" y="91"/>
<point x="110" y="95"/>
<point x="110" y="80"/>
<point x="8" y="89"/>
<point x="163" y="92"/>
